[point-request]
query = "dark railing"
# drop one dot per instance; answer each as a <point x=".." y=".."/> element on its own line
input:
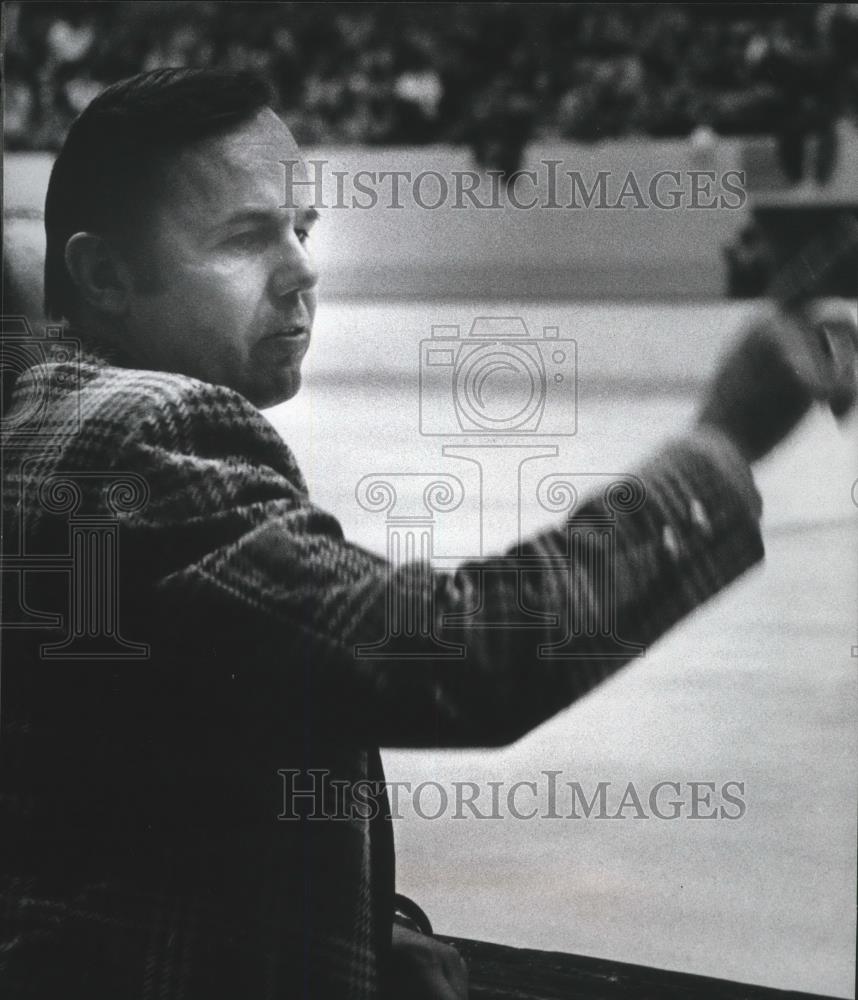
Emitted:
<point x="497" y="972"/>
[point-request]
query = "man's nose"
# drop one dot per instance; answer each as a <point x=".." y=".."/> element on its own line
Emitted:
<point x="292" y="270"/>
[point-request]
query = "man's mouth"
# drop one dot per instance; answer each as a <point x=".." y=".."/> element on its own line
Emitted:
<point x="288" y="333"/>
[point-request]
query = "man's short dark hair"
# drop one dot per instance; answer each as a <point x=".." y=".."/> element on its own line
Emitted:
<point x="109" y="169"/>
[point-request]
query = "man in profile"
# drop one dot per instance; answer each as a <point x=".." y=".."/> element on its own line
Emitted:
<point x="141" y="849"/>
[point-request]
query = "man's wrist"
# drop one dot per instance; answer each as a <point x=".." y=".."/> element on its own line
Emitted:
<point x="725" y="452"/>
<point x="722" y="428"/>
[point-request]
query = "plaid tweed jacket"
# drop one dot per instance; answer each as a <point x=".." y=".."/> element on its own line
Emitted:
<point x="147" y="848"/>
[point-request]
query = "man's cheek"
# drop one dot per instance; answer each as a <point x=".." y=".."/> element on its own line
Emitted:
<point x="227" y="267"/>
<point x="233" y="288"/>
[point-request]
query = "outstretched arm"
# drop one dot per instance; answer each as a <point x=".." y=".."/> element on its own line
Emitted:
<point x="247" y="571"/>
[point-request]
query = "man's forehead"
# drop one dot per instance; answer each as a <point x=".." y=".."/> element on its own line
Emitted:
<point x="245" y="167"/>
<point x="263" y="137"/>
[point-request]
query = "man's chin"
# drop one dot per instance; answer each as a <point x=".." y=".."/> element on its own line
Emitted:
<point x="275" y="391"/>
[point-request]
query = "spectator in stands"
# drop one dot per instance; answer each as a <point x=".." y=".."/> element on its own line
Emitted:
<point x="489" y="77"/>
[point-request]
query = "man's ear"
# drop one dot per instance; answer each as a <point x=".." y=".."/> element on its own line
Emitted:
<point x="103" y="279"/>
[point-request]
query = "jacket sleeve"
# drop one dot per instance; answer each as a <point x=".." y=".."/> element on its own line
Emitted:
<point x="247" y="576"/>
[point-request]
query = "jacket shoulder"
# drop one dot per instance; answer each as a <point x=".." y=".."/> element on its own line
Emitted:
<point x="166" y="409"/>
<point x="91" y="408"/>
<point x="163" y="404"/>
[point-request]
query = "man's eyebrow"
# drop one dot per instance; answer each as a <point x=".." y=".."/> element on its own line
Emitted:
<point x="310" y="214"/>
<point x="266" y="215"/>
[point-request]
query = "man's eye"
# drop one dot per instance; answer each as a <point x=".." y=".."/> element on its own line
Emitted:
<point x="253" y="240"/>
<point x="303" y="235"/>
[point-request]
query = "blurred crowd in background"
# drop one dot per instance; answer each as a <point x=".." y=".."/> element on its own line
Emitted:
<point x="490" y="76"/>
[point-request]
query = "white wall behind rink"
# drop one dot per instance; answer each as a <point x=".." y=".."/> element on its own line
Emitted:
<point x="447" y="252"/>
<point x="624" y="253"/>
<point x="540" y="252"/>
